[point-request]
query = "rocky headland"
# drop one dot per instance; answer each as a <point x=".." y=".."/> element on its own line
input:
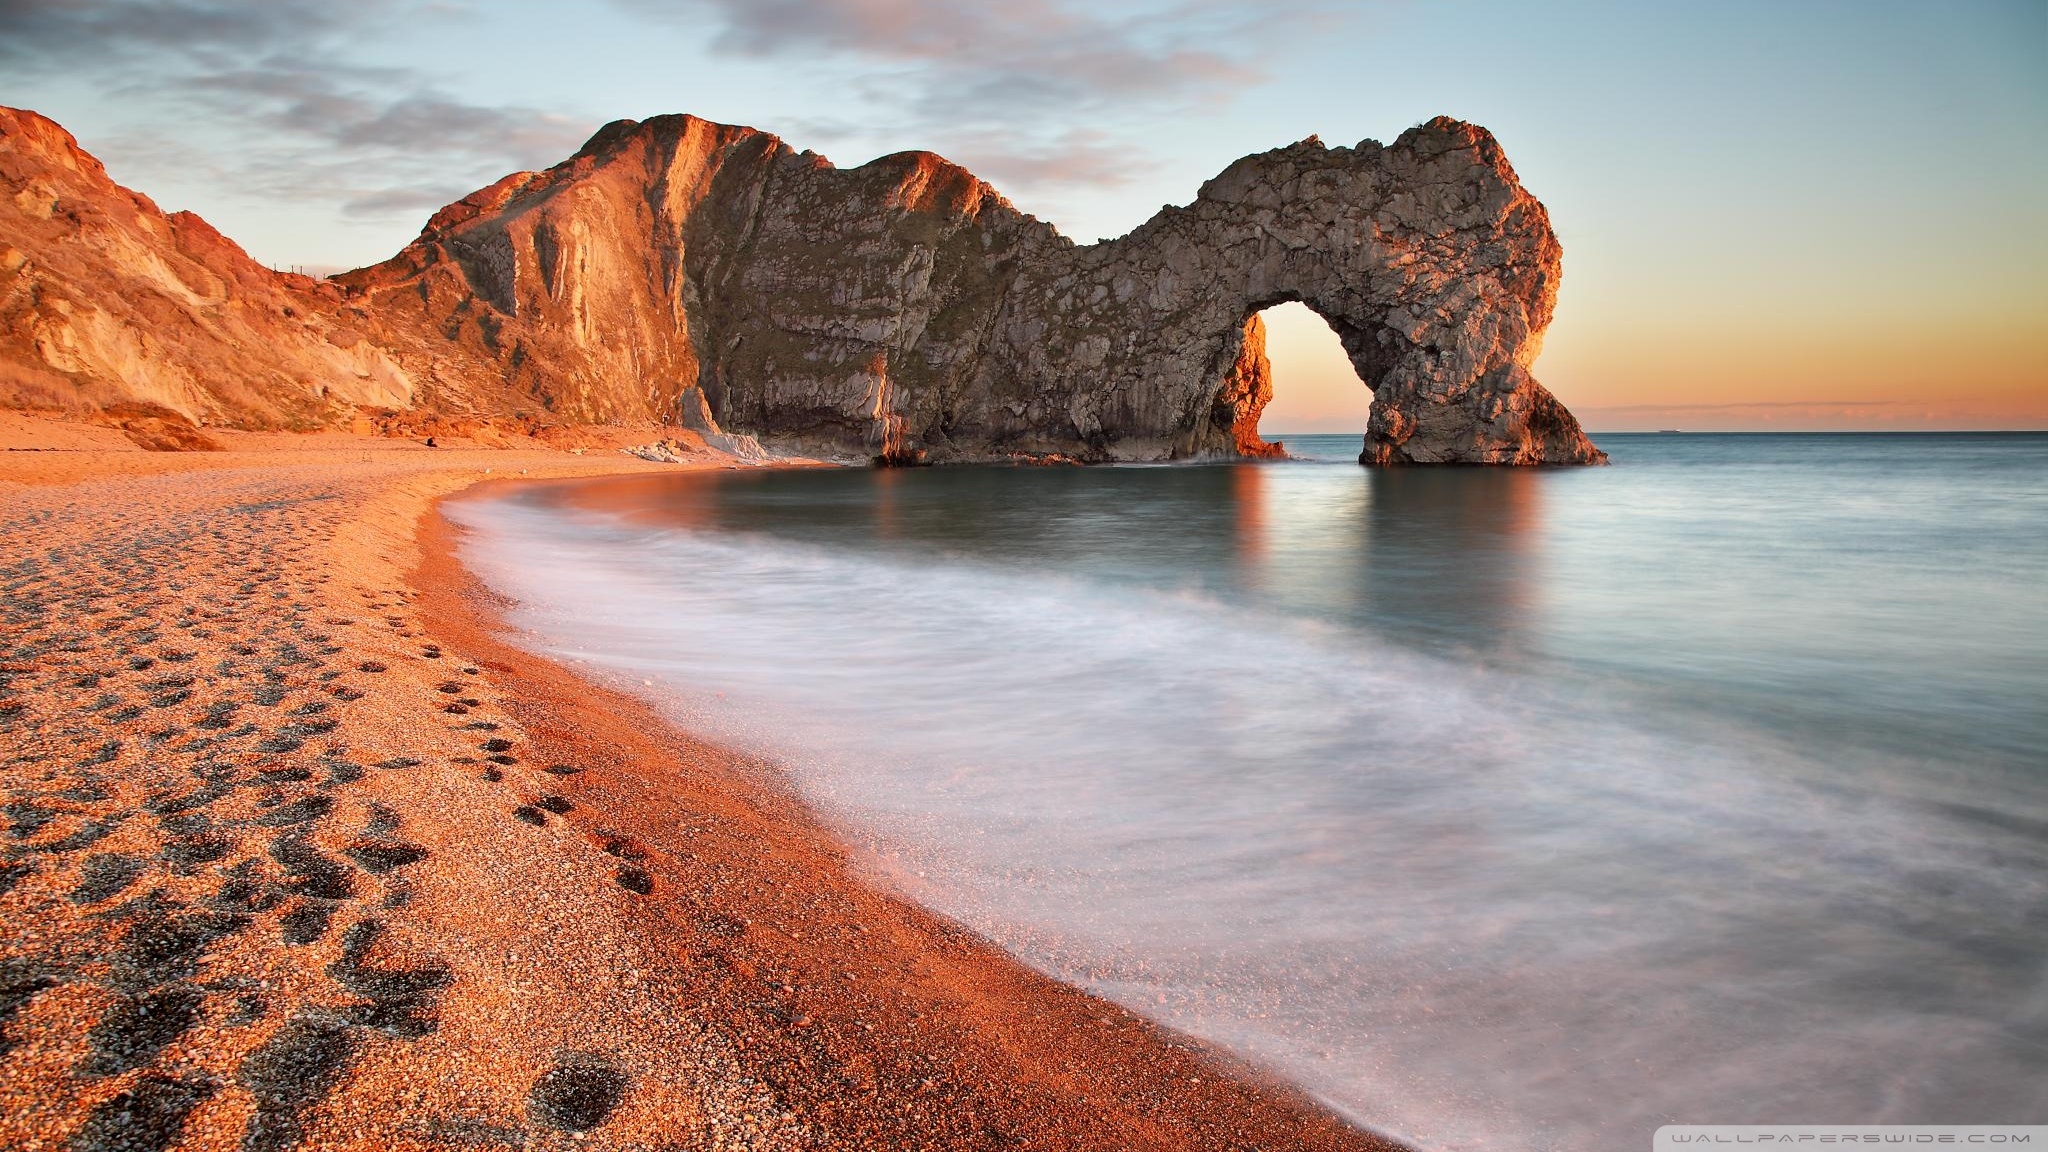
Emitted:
<point x="710" y="276"/>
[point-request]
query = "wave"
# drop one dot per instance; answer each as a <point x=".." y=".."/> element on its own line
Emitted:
<point x="1466" y="905"/>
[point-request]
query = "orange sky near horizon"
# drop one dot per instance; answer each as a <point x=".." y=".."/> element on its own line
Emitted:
<point x="1623" y="371"/>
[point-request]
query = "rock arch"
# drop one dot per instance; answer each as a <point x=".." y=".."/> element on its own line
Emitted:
<point x="1437" y="271"/>
<point x="901" y="306"/>
<point x="1315" y="387"/>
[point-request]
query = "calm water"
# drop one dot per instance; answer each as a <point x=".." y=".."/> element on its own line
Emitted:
<point x="1500" y="809"/>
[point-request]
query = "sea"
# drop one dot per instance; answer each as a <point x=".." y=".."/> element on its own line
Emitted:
<point x="1517" y="809"/>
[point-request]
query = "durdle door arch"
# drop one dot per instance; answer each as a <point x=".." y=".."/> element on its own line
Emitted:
<point x="905" y="309"/>
<point x="1436" y="270"/>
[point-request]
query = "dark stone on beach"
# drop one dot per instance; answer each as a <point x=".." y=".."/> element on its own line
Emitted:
<point x="104" y="755"/>
<point x="624" y="848"/>
<point x="25" y="818"/>
<point x="163" y="944"/>
<point x="313" y="874"/>
<point x="556" y="804"/>
<point x="636" y="880"/>
<point x="295" y="1070"/>
<point x="105" y="874"/>
<point x="576" y="1096"/>
<point x="406" y="1018"/>
<point x="22" y="979"/>
<point x="147" y="1118"/>
<point x="721" y="925"/>
<point x="401" y="1000"/>
<point x="306" y="923"/>
<point x="530" y="815"/>
<point x="243" y="891"/>
<point x="300" y="811"/>
<point x="383" y="857"/>
<point x="201" y="798"/>
<point x="86" y="836"/>
<point x="354" y="972"/>
<point x="132" y="1032"/>
<point x="193" y="851"/>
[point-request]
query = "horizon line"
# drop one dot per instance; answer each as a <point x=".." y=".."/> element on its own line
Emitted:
<point x="1754" y="432"/>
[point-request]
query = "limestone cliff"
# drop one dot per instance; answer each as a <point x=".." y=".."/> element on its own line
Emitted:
<point x="106" y="301"/>
<point x="901" y="307"/>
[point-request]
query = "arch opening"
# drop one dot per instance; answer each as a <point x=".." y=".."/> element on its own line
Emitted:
<point x="1316" y="389"/>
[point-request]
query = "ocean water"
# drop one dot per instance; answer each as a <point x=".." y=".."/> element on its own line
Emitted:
<point x="1498" y="809"/>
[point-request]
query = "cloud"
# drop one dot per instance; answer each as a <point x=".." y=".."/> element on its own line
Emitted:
<point x="298" y="101"/>
<point x="351" y="111"/>
<point x="1080" y="156"/>
<point x="63" y="33"/>
<point x="384" y="202"/>
<point x="315" y="125"/>
<point x="1010" y="55"/>
<point x="1029" y="90"/>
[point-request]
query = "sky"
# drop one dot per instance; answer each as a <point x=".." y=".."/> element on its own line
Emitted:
<point x="1800" y="214"/>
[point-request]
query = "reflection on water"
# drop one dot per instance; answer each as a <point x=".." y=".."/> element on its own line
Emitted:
<point x="1503" y="809"/>
<point x="1451" y="553"/>
<point x="1439" y="557"/>
<point x="1248" y="528"/>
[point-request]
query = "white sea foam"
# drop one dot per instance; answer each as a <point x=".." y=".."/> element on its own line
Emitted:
<point x="1467" y="907"/>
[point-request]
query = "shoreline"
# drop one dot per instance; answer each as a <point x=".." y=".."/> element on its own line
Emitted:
<point x="1003" y="1013"/>
<point x="592" y="928"/>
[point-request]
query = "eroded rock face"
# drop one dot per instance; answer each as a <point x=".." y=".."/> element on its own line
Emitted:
<point x="106" y="302"/>
<point x="905" y="308"/>
<point x="1433" y="266"/>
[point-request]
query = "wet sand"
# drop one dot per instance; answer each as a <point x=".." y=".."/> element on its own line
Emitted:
<point x="298" y="851"/>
